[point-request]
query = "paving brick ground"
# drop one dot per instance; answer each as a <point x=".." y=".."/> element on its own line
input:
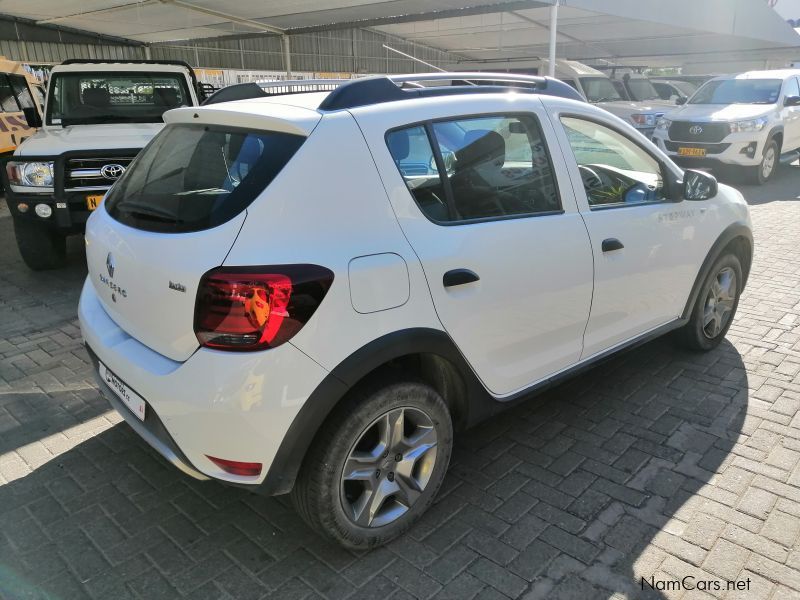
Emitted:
<point x="660" y="464"/>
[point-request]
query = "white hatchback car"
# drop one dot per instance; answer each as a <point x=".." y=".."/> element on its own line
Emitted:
<point x="309" y="293"/>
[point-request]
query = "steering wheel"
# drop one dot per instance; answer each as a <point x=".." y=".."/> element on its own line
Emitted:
<point x="591" y="180"/>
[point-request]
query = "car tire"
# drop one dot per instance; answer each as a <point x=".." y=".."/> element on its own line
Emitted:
<point x="379" y="497"/>
<point x="40" y="247"/>
<point x="716" y="305"/>
<point x="770" y="160"/>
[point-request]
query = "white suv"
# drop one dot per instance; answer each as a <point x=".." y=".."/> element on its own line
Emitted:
<point x="749" y="122"/>
<point x="309" y="293"/>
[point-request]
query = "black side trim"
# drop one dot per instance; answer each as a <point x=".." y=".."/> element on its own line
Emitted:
<point x="477" y="406"/>
<point x="732" y="232"/>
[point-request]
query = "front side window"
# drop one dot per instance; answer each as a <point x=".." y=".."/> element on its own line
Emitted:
<point x="738" y="91"/>
<point x="193" y="177"/>
<point x="791" y="88"/>
<point x="484" y="167"/>
<point x="114" y="97"/>
<point x="615" y="170"/>
<point x="20" y="86"/>
<point x="8" y="101"/>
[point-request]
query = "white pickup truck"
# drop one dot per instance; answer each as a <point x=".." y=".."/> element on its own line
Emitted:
<point x="98" y="116"/>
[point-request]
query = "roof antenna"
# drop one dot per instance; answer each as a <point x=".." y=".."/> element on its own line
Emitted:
<point x="419" y="60"/>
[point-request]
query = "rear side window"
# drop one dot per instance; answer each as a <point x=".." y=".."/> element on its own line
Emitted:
<point x="20" y="86"/>
<point x="194" y="177"/>
<point x="8" y="101"/>
<point x="476" y="168"/>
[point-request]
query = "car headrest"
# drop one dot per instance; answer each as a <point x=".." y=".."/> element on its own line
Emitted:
<point x="480" y="145"/>
<point x="96" y="97"/>
<point x="166" y="96"/>
<point x="398" y="144"/>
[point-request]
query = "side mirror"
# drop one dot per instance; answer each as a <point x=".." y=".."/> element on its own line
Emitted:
<point x="698" y="185"/>
<point x="791" y="101"/>
<point x="32" y="116"/>
<point x="680" y="100"/>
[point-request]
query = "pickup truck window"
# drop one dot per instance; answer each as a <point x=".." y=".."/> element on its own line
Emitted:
<point x="114" y="97"/>
<point x="738" y="91"/>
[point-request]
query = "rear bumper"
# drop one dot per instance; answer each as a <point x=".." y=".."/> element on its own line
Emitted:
<point x="235" y="406"/>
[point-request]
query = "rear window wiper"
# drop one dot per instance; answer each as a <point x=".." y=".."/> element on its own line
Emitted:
<point x="148" y="211"/>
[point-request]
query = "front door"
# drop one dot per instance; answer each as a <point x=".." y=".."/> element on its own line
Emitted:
<point x="496" y="228"/>
<point x="647" y="247"/>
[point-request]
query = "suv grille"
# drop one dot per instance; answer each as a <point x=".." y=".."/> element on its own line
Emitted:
<point x="709" y="132"/>
<point x="94" y="172"/>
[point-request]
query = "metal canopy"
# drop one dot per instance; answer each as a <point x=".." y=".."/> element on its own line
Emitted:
<point x="486" y="31"/>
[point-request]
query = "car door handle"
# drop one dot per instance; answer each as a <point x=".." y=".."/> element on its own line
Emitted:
<point x="459" y="277"/>
<point x="611" y="244"/>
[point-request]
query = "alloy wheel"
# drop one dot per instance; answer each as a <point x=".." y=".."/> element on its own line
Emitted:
<point x="768" y="162"/>
<point x="719" y="303"/>
<point x="388" y="467"/>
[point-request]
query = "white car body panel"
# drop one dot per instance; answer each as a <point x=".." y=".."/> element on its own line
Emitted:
<point x="345" y="189"/>
<point x="144" y="265"/>
<point x="51" y="141"/>
<point x="525" y="317"/>
<point x="223" y="404"/>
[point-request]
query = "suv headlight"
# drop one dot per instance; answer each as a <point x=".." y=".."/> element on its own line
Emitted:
<point x="30" y="174"/>
<point x="751" y="125"/>
<point x="663" y="124"/>
<point x="644" y="120"/>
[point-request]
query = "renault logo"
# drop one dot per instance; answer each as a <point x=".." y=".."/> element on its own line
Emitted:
<point x="110" y="264"/>
<point x="695" y="130"/>
<point x="113" y="171"/>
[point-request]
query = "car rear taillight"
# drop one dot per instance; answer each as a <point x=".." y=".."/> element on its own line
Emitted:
<point x="255" y="308"/>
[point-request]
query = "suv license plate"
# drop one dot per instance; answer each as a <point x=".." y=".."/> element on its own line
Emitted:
<point x="692" y="151"/>
<point x="131" y="399"/>
<point x="93" y="201"/>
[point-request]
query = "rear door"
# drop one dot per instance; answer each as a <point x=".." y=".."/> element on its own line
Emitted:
<point x="172" y="217"/>
<point x="493" y="220"/>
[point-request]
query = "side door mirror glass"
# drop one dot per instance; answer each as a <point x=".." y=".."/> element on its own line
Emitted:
<point x="32" y="116"/>
<point x="791" y="101"/>
<point x="698" y="185"/>
<point x="680" y="100"/>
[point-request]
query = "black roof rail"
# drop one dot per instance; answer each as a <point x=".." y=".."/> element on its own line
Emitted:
<point x="351" y="93"/>
<point x="176" y="63"/>
<point x="388" y="88"/>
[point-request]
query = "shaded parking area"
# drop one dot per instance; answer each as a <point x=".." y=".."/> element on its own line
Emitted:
<point x="657" y="466"/>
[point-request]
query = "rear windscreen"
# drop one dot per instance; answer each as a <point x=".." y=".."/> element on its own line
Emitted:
<point x="194" y="177"/>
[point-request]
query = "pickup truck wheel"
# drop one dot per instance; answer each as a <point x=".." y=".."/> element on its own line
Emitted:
<point x="40" y="247"/>
<point x="376" y="465"/>
<point x="716" y="305"/>
<point x="769" y="164"/>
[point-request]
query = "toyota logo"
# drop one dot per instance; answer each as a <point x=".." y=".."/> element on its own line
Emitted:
<point x="110" y="264"/>
<point x="112" y="172"/>
<point x="695" y="130"/>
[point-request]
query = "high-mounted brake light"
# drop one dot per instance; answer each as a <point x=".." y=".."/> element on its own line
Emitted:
<point x="255" y="308"/>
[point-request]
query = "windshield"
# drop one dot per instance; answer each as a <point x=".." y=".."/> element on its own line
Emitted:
<point x="738" y="91"/>
<point x="599" y="89"/>
<point x="642" y="89"/>
<point x="114" y="97"/>
<point x="193" y="177"/>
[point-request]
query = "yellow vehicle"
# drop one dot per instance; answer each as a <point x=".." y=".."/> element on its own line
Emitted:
<point x="18" y="90"/>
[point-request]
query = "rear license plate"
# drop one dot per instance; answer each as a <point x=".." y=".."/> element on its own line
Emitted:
<point x="130" y="398"/>
<point x="692" y="151"/>
<point x="93" y="201"/>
